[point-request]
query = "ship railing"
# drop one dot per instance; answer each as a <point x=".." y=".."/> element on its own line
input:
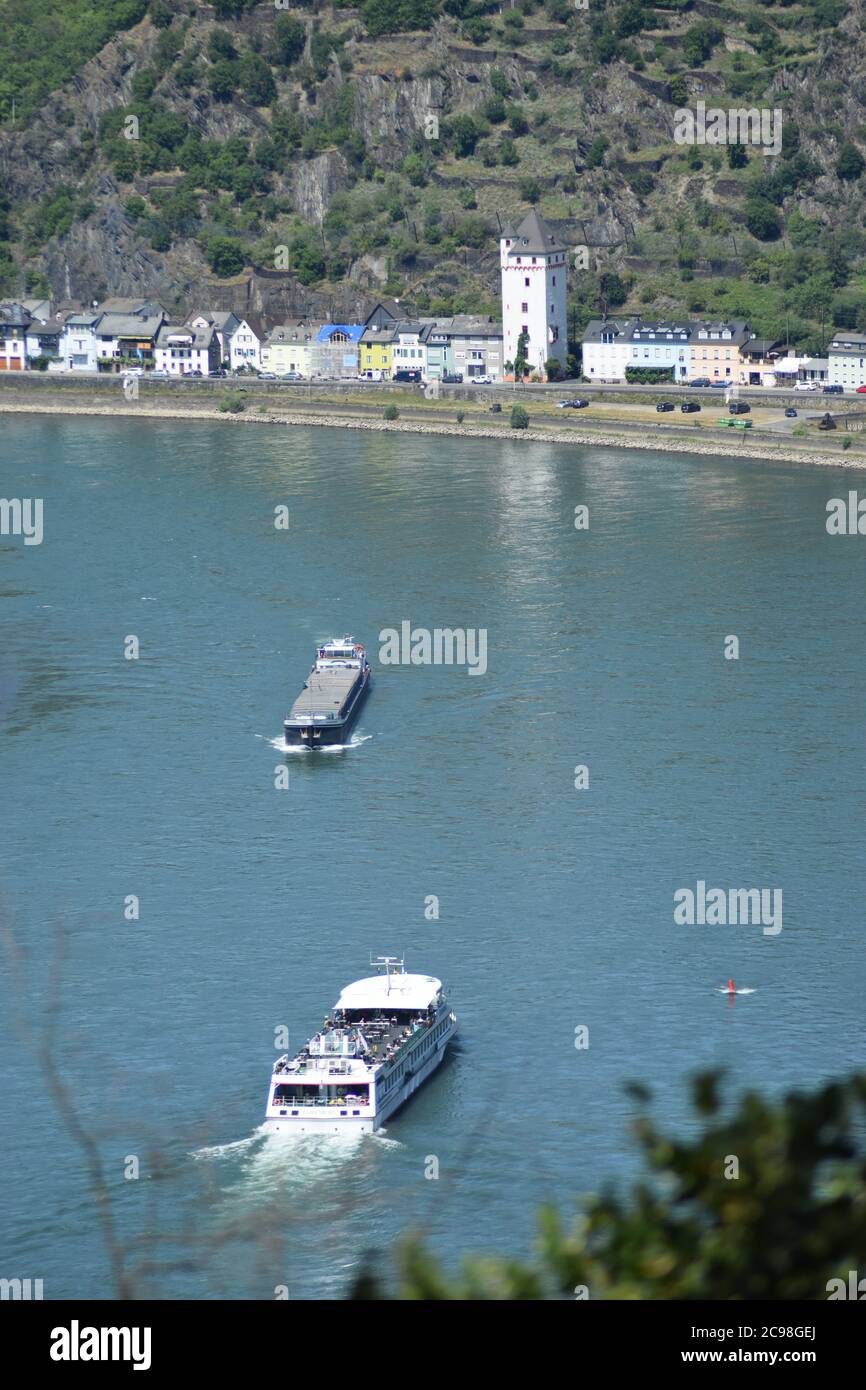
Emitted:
<point x="327" y="1101"/>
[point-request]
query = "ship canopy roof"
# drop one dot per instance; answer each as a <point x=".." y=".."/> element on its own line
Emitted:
<point x="397" y="991"/>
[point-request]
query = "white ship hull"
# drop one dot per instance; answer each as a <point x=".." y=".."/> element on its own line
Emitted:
<point x="366" y="1120"/>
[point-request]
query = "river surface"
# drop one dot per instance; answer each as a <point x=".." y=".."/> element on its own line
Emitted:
<point x="158" y="778"/>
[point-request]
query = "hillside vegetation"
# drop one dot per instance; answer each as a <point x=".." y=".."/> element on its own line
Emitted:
<point x="315" y="154"/>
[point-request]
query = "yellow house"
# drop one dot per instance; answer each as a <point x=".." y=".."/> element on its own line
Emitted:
<point x="289" y="348"/>
<point x="714" y="350"/>
<point x="375" y="351"/>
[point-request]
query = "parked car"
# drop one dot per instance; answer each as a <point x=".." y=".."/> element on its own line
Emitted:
<point x="295" y="376"/>
<point x="740" y="408"/>
<point x="860" y="389"/>
<point x="132" y="371"/>
<point x="689" y="407"/>
<point x="408" y="374"/>
<point x="372" y="374"/>
<point x="722" y="383"/>
<point x="805" y="386"/>
<point x="790" y="413"/>
<point x="700" y="381"/>
<point x="495" y="408"/>
<point x="267" y="376"/>
<point x="480" y="381"/>
<point x="452" y="378"/>
<point x="161" y="375"/>
<point x="662" y="406"/>
<point x="197" y="372"/>
<point x="834" y="390"/>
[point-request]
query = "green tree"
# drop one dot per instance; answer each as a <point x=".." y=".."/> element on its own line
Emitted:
<point x="226" y="256"/>
<point x="787" y="1223"/>
<point x="289" y="40"/>
<point x="700" y="40"/>
<point x="850" y="164"/>
<point x="737" y="156"/>
<point x="762" y="220"/>
<point x="464" y="135"/>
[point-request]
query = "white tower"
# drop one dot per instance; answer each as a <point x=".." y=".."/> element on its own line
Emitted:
<point x="533" y="293"/>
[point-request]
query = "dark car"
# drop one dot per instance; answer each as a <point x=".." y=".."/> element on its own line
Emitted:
<point x="663" y="405"/>
<point x="790" y="413"/>
<point x="689" y="407"/>
<point x="700" y="381"/>
<point x="496" y="408"/>
<point x="452" y="378"/>
<point x="578" y="404"/>
<point x="739" y="408"/>
<point x="832" y="390"/>
<point x="408" y="374"/>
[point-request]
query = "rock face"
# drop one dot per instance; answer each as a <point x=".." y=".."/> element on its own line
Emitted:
<point x="402" y="87"/>
<point x="316" y="182"/>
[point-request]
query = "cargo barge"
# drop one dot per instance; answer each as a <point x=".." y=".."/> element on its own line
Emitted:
<point x="331" y="699"/>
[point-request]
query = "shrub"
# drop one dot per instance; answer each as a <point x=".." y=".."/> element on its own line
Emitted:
<point x="519" y="418"/>
<point x="232" y="403"/>
<point x="390" y="412"/>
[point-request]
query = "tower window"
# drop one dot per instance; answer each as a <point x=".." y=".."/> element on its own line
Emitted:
<point x="526" y="281"/>
<point x="524" y="308"/>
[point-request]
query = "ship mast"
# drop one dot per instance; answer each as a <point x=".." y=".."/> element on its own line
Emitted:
<point x="397" y="962"/>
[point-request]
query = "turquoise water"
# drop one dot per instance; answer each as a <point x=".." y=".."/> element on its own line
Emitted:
<point x="156" y="778"/>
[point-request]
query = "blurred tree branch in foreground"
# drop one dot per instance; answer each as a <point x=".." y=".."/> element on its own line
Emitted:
<point x="766" y="1203"/>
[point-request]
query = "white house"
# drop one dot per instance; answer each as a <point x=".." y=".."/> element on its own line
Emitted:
<point x="44" y="336"/>
<point x="79" y="343"/>
<point x="245" y="344"/>
<point x="224" y="322"/>
<point x="846" y="358"/>
<point x="181" y="350"/>
<point x="409" y="348"/>
<point x="607" y="347"/>
<point x="532" y="261"/>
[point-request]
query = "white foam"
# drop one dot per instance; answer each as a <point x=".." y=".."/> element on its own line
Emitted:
<point x="282" y="747"/>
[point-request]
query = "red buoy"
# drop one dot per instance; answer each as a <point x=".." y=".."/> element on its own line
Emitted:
<point x="731" y="987"/>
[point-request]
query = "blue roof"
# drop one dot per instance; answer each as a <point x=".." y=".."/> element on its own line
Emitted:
<point x="352" y="331"/>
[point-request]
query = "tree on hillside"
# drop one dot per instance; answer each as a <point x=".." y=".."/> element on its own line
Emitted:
<point x="850" y="164"/>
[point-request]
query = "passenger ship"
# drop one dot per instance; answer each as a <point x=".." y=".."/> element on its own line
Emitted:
<point x="332" y="696"/>
<point x="385" y="1036"/>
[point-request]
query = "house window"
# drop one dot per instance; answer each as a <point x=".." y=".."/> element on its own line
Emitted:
<point x="524" y="308"/>
<point x="554" y="279"/>
<point x="526" y="281"/>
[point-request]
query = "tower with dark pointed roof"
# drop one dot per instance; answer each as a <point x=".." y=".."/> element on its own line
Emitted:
<point x="532" y="260"/>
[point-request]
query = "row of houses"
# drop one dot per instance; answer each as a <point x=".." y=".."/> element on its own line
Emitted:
<point x="135" y="332"/>
<point x="725" y="350"/>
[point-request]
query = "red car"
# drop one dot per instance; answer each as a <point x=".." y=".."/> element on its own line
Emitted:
<point x="861" y="388"/>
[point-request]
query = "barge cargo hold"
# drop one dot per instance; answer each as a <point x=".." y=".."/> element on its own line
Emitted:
<point x="327" y="707"/>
